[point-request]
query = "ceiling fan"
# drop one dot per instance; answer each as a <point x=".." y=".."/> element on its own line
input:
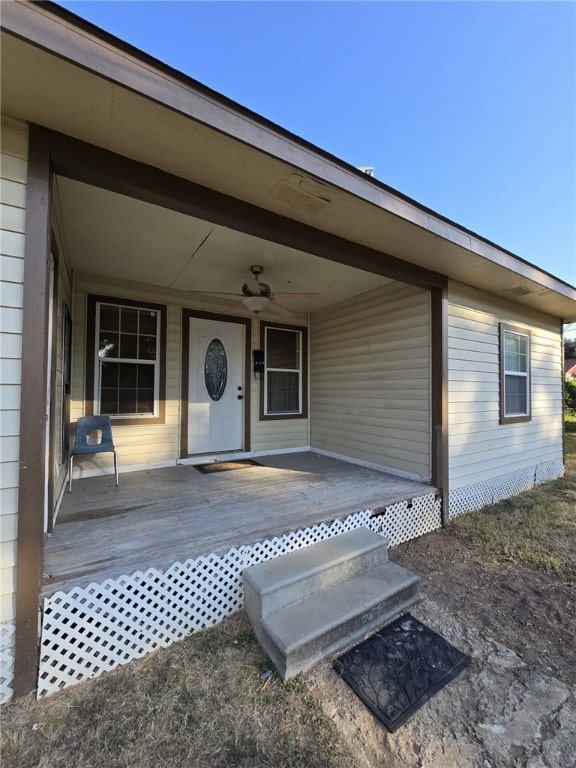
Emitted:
<point x="257" y="296"/>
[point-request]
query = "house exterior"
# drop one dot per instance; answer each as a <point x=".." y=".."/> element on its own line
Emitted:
<point x="135" y="201"/>
<point x="570" y="370"/>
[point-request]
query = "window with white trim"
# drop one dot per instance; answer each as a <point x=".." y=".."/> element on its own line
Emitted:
<point x="127" y="359"/>
<point x="284" y="383"/>
<point x="515" y="398"/>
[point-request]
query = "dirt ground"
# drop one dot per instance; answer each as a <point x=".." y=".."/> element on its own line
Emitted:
<point x="515" y="705"/>
<point x="526" y="610"/>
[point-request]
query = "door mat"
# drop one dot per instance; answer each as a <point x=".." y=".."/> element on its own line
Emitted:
<point x="225" y="466"/>
<point x="399" y="669"/>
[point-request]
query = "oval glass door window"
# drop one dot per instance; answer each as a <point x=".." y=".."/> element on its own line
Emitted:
<point x="215" y="369"/>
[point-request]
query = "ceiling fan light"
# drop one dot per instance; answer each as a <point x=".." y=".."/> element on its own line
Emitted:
<point x="255" y="303"/>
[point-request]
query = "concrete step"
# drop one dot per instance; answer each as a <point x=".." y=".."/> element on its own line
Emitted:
<point x="300" y="635"/>
<point x="325" y="614"/>
<point x="283" y="580"/>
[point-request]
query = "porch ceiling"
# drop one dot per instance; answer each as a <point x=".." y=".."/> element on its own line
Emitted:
<point x="114" y="236"/>
<point x="72" y="78"/>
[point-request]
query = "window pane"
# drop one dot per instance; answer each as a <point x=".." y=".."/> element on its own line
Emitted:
<point x="108" y="344"/>
<point x="146" y="376"/>
<point x="215" y="369"/>
<point x="282" y="349"/>
<point x="110" y="375"/>
<point x="109" y="317"/>
<point x="128" y="346"/>
<point x="148" y="322"/>
<point x="145" y="401"/>
<point x="515" y="352"/>
<point x="129" y="320"/>
<point x="147" y="348"/>
<point x="283" y="392"/>
<point x="128" y="375"/>
<point x="516" y="399"/>
<point x="109" y="401"/>
<point x="127" y="401"/>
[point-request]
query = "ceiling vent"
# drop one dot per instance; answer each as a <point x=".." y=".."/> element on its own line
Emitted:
<point x="518" y="291"/>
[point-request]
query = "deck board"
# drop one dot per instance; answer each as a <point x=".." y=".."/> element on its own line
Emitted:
<point x="159" y="516"/>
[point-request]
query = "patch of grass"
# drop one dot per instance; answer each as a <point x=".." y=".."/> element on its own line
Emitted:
<point x="202" y="703"/>
<point x="536" y="528"/>
<point x="296" y="684"/>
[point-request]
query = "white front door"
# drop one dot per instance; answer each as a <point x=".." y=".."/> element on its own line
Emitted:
<point x="215" y="386"/>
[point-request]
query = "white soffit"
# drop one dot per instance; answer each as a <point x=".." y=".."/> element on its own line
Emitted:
<point x="111" y="235"/>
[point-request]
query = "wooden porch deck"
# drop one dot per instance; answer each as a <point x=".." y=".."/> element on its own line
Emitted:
<point x="159" y="516"/>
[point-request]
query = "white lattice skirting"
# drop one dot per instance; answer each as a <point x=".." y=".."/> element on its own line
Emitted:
<point x="474" y="497"/>
<point x="7" y="642"/>
<point x="91" y="630"/>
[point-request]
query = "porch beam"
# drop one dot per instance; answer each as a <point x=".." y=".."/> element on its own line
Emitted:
<point x="439" y="375"/>
<point x="101" y="168"/>
<point x="32" y="464"/>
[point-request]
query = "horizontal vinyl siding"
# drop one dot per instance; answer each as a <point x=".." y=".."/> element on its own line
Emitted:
<point x="279" y="435"/>
<point x="14" y="143"/>
<point x="370" y="379"/>
<point x="480" y="448"/>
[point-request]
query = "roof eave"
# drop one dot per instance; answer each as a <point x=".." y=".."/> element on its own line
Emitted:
<point x="69" y="37"/>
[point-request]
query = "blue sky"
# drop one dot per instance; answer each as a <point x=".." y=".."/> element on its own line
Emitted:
<point x="467" y="107"/>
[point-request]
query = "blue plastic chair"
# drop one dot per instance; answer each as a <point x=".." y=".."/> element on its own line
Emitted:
<point x="93" y="435"/>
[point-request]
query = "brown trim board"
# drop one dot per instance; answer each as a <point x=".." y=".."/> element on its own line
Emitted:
<point x="101" y="168"/>
<point x="187" y="314"/>
<point x="30" y="545"/>
<point x="439" y="376"/>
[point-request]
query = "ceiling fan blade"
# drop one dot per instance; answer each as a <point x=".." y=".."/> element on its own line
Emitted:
<point x="234" y="308"/>
<point x="296" y="296"/>
<point x="278" y="309"/>
<point x="215" y="293"/>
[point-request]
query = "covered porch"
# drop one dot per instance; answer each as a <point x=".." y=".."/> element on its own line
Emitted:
<point x="157" y="517"/>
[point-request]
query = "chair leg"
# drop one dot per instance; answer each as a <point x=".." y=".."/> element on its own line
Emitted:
<point x="116" y="466"/>
<point x="70" y="463"/>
